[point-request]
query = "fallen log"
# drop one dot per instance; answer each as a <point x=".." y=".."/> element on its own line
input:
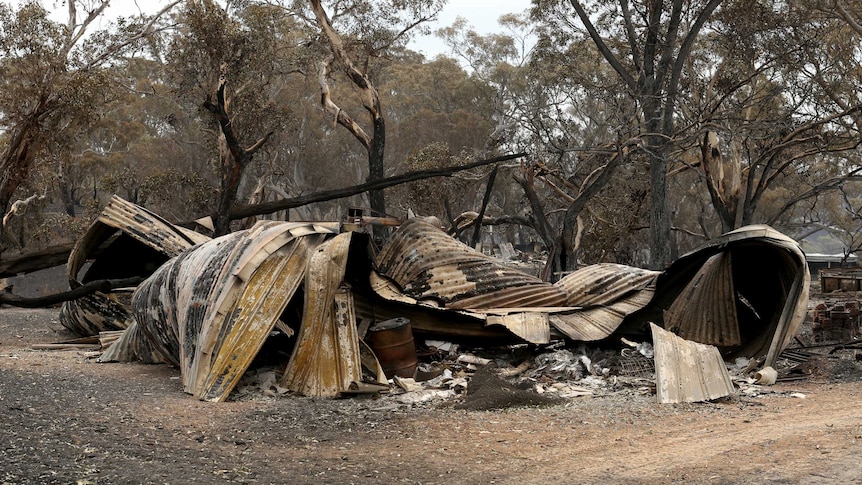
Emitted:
<point x="36" y="260"/>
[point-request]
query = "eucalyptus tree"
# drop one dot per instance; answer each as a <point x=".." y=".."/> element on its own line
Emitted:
<point x="647" y="44"/>
<point x="234" y="61"/>
<point x="775" y="92"/>
<point x="56" y="77"/>
<point x="354" y="37"/>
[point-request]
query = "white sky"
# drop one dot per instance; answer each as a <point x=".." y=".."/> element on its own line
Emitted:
<point x="481" y="16"/>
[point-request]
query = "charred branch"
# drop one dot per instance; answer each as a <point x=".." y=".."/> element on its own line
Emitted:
<point x="84" y="290"/>
<point x="283" y="204"/>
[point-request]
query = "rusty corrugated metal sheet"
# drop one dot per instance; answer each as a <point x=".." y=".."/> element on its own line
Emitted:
<point x="427" y="264"/>
<point x="102" y="312"/>
<point x="604" y="283"/>
<point x="326" y="357"/>
<point x="688" y="371"/>
<point x="149" y="227"/>
<point x="484" y="323"/>
<point x="131" y="347"/>
<point x="597" y="323"/>
<point x="211" y="308"/>
<point x="426" y="267"/>
<point x="606" y="294"/>
<point x="770" y="283"/>
<point x="698" y="315"/>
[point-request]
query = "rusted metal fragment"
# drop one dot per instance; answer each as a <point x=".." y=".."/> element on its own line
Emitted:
<point x="210" y="309"/>
<point x="597" y="323"/>
<point x="605" y="294"/>
<point x="688" y="371"/>
<point x="326" y="357"/>
<point x="132" y="347"/>
<point x="605" y="283"/>
<point x="428" y="318"/>
<point x="770" y="281"/>
<point x="121" y="229"/>
<point x="530" y="326"/>
<point x="696" y="315"/>
<point x="427" y="264"/>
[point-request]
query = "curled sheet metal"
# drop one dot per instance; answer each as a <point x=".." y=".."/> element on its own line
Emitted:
<point x="326" y="357"/>
<point x="423" y="266"/>
<point x="497" y="324"/>
<point x="210" y="309"/>
<point x="688" y="371"/>
<point x="606" y="294"/>
<point x="697" y="315"/>
<point x="767" y="286"/>
<point x="427" y="264"/>
<point x="121" y="229"/>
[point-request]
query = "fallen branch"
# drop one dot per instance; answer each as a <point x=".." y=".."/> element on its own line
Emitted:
<point x="84" y="290"/>
<point x="283" y="204"/>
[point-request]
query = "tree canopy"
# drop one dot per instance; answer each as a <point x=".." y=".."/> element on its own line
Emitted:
<point x="649" y="126"/>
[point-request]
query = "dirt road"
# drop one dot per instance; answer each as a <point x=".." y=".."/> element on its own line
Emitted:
<point x="66" y="419"/>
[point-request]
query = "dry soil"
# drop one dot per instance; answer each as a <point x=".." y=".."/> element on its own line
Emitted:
<point x="67" y="419"/>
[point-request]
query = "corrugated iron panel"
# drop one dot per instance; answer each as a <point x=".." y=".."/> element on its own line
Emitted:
<point x="607" y="293"/>
<point x="260" y="304"/>
<point x="102" y="312"/>
<point x="426" y="316"/>
<point x="148" y="227"/>
<point x="770" y="279"/>
<point x="597" y="323"/>
<point x="326" y="358"/>
<point x="211" y="308"/>
<point x="132" y="347"/>
<point x="530" y="326"/>
<point x="428" y="264"/>
<point x="688" y="371"/>
<point x="95" y="313"/>
<point x="604" y="283"/>
<point x="705" y="311"/>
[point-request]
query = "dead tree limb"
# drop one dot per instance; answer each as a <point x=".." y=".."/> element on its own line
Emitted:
<point x="487" y="198"/>
<point x="84" y="290"/>
<point x="57" y="255"/>
<point x="277" y="205"/>
<point x="36" y="260"/>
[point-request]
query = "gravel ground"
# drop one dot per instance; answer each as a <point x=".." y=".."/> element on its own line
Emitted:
<point x="66" y="419"/>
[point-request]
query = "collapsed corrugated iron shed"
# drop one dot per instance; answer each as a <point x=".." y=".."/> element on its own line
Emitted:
<point x="129" y="240"/>
<point x="428" y="268"/>
<point x="745" y="292"/>
<point x="210" y="309"/>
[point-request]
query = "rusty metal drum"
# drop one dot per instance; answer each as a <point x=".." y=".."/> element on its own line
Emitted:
<point x="392" y="341"/>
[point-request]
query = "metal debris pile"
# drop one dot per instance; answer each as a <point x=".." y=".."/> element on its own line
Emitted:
<point x="427" y="317"/>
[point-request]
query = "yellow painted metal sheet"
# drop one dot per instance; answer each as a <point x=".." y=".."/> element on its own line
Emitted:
<point x="197" y="310"/>
<point x="688" y="371"/>
<point x="260" y="304"/>
<point x="323" y="364"/>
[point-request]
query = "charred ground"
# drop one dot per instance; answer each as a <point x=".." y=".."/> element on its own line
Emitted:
<point x="66" y="419"/>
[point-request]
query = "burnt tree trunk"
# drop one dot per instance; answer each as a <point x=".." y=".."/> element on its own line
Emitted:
<point x="234" y="159"/>
<point x="374" y="143"/>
